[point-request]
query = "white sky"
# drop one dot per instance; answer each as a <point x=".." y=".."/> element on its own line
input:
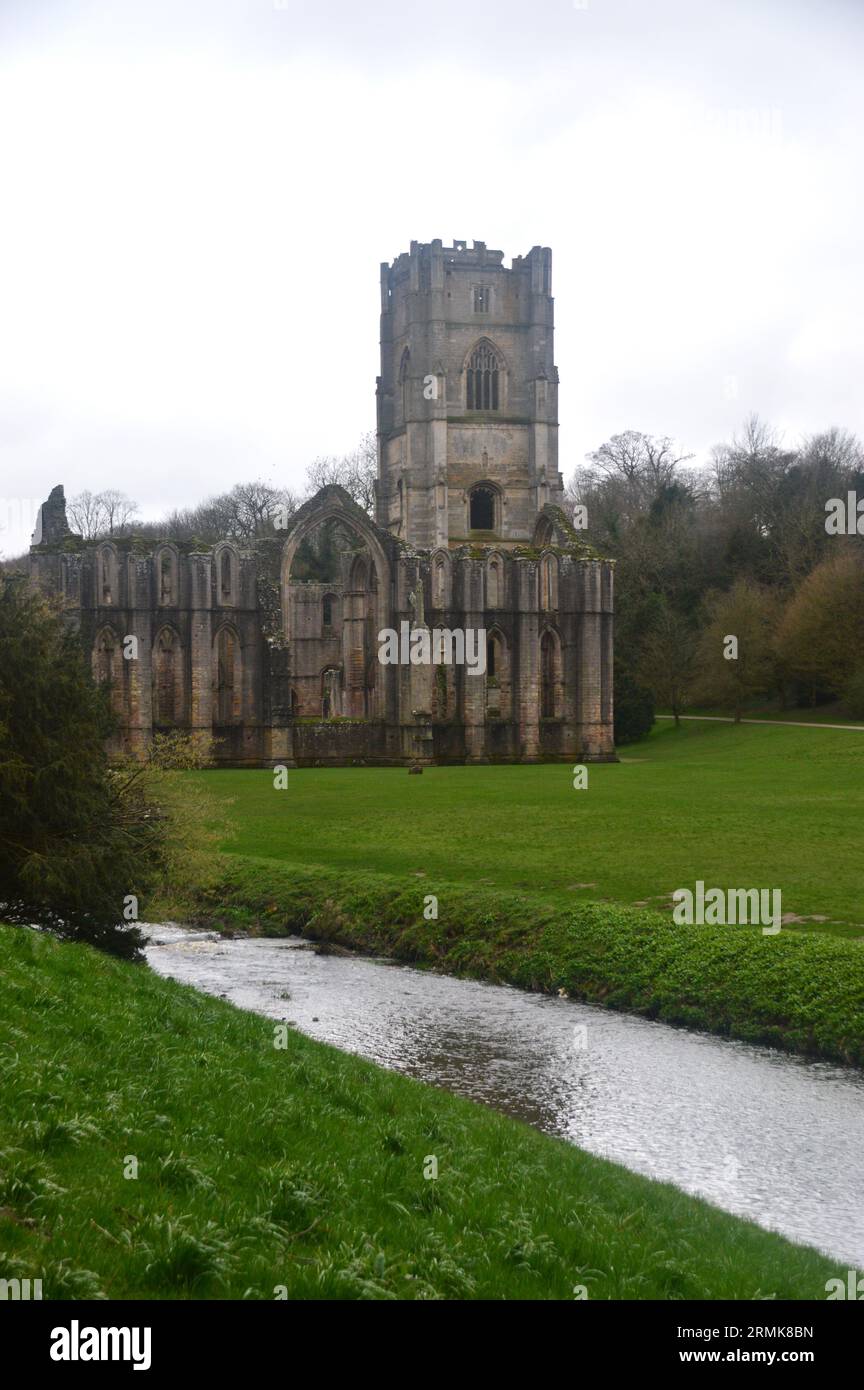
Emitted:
<point x="197" y="194"/>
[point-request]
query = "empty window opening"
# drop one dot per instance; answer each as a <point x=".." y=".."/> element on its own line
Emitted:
<point x="548" y="676"/>
<point x="482" y="509"/>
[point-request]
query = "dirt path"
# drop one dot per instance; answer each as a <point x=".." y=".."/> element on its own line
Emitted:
<point x="781" y="723"/>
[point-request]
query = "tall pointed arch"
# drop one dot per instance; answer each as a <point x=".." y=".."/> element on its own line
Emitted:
<point x="227" y="676"/>
<point x="405" y="384"/>
<point x="168" y="679"/>
<point x="550" y="674"/>
<point x="107" y="663"/>
<point x="485" y="375"/>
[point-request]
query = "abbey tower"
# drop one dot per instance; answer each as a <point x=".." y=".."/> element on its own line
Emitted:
<point x="467" y="396"/>
<point x="272" y="645"/>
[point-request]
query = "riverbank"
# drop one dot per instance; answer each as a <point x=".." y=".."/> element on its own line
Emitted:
<point x="798" y="992"/>
<point x="154" y="1143"/>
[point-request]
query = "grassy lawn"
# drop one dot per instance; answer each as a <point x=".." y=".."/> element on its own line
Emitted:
<point x="736" y="807"/>
<point x="304" y="1167"/>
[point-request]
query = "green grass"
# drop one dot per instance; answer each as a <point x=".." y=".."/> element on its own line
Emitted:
<point x="737" y="807"/>
<point x="304" y="1167"/>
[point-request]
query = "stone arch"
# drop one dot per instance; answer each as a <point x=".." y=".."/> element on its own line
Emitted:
<point x="498" y="673"/>
<point x="441" y="579"/>
<point x="548" y="582"/>
<point x="405" y="384"/>
<point x="227" y="676"/>
<point x="333" y="508"/>
<point x="359" y="573"/>
<point x="167" y="571"/>
<point x="331" y="692"/>
<point x="107" y="576"/>
<point x="552" y="527"/>
<point x="329" y="610"/>
<point x="107" y="664"/>
<point x="550" y="674"/>
<point x="168" y="678"/>
<point x="227" y="574"/>
<point x="484" y="506"/>
<point x="495" y="581"/>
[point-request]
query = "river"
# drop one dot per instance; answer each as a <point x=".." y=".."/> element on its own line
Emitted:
<point x="775" y="1138"/>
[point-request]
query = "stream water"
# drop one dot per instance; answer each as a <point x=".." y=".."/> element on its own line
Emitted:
<point x="775" y="1138"/>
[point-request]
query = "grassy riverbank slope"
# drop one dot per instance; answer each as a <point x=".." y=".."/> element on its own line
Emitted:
<point x="800" y="992"/>
<point x="304" y="1167"/>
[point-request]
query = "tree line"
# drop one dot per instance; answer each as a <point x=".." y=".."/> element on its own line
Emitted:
<point x="743" y="550"/>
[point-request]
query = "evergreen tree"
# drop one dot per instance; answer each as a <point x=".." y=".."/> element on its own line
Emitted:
<point x="75" y="840"/>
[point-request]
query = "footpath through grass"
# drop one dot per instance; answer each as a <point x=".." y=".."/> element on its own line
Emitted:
<point x="304" y="1167"/>
<point x="737" y="807"/>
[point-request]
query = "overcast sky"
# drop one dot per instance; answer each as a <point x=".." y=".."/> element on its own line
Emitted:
<point x="197" y="194"/>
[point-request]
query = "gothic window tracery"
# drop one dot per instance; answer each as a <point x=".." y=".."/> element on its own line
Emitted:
<point x="483" y="378"/>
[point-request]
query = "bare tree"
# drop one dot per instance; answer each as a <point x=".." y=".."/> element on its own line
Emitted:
<point x="118" y="511"/>
<point x="357" y="472"/>
<point x="86" y="514"/>
<point x="247" y="511"/>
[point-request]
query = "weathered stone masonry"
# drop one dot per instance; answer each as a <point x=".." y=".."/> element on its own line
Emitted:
<point x="274" y="648"/>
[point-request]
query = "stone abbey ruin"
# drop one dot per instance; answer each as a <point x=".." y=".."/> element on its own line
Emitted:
<point x="274" y="647"/>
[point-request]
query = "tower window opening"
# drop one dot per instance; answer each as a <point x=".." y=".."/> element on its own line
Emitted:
<point x="482" y="379"/>
<point x="482" y="509"/>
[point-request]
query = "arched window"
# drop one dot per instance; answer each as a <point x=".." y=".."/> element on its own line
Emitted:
<point x="225" y="576"/>
<point x="404" y="384"/>
<point x="108" y="667"/>
<point x="327" y="610"/>
<point x="548" y="676"/>
<point x="331" y="693"/>
<point x="439" y="583"/>
<point x="439" y="693"/>
<point x="482" y="384"/>
<point x="493" y="584"/>
<point x="167" y="679"/>
<point x="482" y="509"/>
<point x="295" y="704"/>
<point x="227" y="677"/>
<point x="167" y="573"/>
<point x="107" y="580"/>
<point x="547" y="583"/>
<point x="491" y="655"/>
